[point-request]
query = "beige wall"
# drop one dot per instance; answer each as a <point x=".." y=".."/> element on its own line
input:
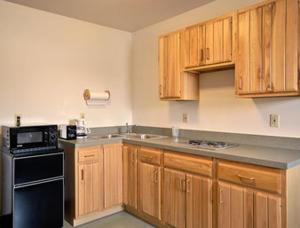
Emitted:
<point x="218" y="108"/>
<point x="46" y="61"/>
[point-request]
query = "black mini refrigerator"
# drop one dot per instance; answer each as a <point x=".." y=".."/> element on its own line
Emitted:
<point x="33" y="190"/>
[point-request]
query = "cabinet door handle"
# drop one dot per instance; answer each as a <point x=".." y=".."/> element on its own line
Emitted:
<point x="201" y="55"/>
<point x="207" y="54"/>
<point x="247" y="180"/>
<point x="270" y="87"/>
<point x="221" y="197"/>
<point x="183" y="185"/>
<point x="155" y="178"/>
<point x="132" y="158"/>
<point x="82" y="174"/>
<point x="188" y="186"/>
<point x="241" y="83"/>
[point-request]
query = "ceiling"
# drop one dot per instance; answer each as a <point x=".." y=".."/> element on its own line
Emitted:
<point x="128" y="15"/>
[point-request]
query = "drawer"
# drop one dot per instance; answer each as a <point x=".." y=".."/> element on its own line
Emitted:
<point x="89" y="154"/>
<point x="191" y="164"/>
<point x="251" y="175"/>
<point x="150" y="155"/>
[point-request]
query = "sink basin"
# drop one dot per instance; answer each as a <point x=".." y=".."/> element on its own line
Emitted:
<point x="142" y="136"/>
<point x="109" y="136"/>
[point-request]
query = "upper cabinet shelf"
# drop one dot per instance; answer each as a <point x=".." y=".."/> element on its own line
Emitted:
<point x="261" y="42"/>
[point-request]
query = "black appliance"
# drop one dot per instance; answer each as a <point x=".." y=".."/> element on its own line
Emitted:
<point x="68" y="132"/>
<point x="33" y="180"/>
<point x="29" y="139"/>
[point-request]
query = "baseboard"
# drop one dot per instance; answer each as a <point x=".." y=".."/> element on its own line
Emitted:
<point x="97" y="215"/>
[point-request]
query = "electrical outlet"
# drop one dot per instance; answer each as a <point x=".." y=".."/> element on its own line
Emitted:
<point x="274" y="120"/>
<point x="185" y="118"/>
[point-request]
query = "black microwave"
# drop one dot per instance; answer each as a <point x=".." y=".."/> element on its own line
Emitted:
<point x="29" y="138"/>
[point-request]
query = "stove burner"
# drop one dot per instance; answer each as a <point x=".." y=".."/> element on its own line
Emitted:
<point x="211" y="144"/>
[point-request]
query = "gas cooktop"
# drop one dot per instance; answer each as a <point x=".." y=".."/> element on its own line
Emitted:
<point x="213" y="145"/>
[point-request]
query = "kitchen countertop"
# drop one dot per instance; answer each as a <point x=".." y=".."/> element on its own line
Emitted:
<point x="259" y="155"/>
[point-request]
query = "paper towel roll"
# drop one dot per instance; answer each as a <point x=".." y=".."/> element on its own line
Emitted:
<point x="92" y="96"/>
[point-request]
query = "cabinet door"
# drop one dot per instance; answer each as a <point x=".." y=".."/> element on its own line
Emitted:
<point x="235" y="206"/>
<point x="261" y="66"/>
<point x="112" y="175"/>
<point x="267" y="211"/>
<point x="193" y="46"/>
<point x="199" y="202"/>
<point x="150" y="189"/>
<point x="209" y="43"/>
<point x="90" y="188"/>
<point x="240" y="207"/>
<point x="218" y="41"/>
<point x="174" y="201"/>
<point x="170" y="66"/>
<point x="130" y="175"/>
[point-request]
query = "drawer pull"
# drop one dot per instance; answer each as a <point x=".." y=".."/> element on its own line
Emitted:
<point x="148" y="159"/>
<point x="246" y="180"/>
<point x="82" y="174"/>
<point x="89" y="156"/>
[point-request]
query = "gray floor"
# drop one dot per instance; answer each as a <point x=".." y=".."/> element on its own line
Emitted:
<point x="119" y="220"/>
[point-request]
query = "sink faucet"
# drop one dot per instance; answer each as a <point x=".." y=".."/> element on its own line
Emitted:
<point x="127" y="128"/>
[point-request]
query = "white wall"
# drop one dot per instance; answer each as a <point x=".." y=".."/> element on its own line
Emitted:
<point x="218" y="108"/>
<point x="47" y="60"/>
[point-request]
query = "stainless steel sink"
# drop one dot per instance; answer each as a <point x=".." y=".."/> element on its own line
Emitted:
<point x="142" y="136"/>
<point x="109" y="136"/>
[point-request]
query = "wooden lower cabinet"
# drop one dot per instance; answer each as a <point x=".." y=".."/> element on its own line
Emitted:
<point x="93" y="182"/>
<point x="187" y="200"/>
<point x="150" y="189"/>
<point x="113" y="194"/>
<point x="243" y="207"/>
<point x="198" y="202"/>
<point x="90" y="196"/>
<point x="89" y="182"/>
<point x="174" y="201"/>
<point x="130" y="168"/>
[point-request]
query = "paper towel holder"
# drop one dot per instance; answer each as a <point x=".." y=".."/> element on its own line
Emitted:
<point x="92" y="99"/>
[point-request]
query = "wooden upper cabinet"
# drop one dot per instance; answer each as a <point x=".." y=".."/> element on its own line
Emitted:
<point x="209" y="43"/>
<point x="170" y="66"/>
<point x="174" y="83"/>
<point x="130" y="166"/>
<point x="267" y="50"/>
<point x="112" y="175"/>
<point x="193" y="46"/>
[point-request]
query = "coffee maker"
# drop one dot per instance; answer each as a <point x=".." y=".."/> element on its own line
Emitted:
<point x="81" y="129"/>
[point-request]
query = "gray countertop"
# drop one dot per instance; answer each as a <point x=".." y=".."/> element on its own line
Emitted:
<point x="259" y="155"/>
